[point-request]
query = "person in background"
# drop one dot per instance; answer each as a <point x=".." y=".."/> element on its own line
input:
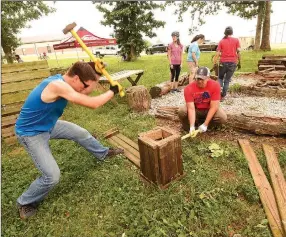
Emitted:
<point x="39" y="122"/>
<point x="18" y="58"/>
<point x="175" y="57"/>
<point x="228" y="52"/>
<point x="194" y="55"/>
<point x="202" y="98"/>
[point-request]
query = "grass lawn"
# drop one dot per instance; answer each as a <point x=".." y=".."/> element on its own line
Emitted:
<point x="93" y="199"/>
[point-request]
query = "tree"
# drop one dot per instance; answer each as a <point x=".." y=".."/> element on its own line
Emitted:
<point x="244" y="9"/>
<point x="14" y="17"/>
<point x="265" y="41"/>
<point x="130" y="20"/>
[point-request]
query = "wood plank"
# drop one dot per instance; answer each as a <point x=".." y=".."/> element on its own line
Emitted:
<point x="278" y="181"/>
<point x="16" y="97"/>
<point x="129" y="141"/>
<point x="8" y="132"/>
<point x="135" y="160"/>
<point x="8" y="123"/>
<point x="24" y="76"/>
<point x="265" y="191"/>
<point x="11" y="109"/>
<point x="28" y="66"/>
<point x="125" y="146"/>
<point x="20" y="86"/>
<point x="11" y="140"/>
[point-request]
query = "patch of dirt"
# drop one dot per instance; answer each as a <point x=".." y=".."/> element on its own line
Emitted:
<point x="230" y="135"/>
<point x="228" y="175"/>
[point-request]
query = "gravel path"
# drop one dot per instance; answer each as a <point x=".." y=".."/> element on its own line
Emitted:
<point x="233" y="104"/>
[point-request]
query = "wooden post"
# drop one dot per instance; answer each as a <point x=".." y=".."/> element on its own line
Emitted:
<point x="160" y="156"/>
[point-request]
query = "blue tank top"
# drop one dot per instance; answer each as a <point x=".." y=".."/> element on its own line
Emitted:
<point x="37" y="116"/>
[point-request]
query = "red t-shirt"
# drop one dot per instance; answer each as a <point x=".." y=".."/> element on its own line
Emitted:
<point x="202" y="97"/>
<point x="228" y="48"/>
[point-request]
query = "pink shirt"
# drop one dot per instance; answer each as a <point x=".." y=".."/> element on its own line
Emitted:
<point x="176" y="53"/>
<point x="228" y="48"/>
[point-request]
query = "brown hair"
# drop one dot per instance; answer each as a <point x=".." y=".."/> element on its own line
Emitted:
<point x="197" y="37"/>
<point x="83" y="70"/>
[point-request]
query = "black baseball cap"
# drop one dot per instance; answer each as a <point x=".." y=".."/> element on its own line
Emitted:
<point x="203" y="73"/>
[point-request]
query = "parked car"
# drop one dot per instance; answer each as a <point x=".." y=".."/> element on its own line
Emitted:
<point x="106" y="50"/>
<point x="206" y="46"/>
<point x="157" y="48"/>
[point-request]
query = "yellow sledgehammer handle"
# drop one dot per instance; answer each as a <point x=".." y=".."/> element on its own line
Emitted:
<point x="193" y="134"/>
<point x="98" y="63"/>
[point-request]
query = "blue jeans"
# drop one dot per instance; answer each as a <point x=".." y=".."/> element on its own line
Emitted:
<point x="225" y="73"/>
<point x="39" y="149"/>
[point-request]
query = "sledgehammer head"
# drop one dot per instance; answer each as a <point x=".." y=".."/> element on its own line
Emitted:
<point x="69" y="28"/>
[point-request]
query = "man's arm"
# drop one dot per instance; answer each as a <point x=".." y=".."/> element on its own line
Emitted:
<point x="191" y="113"/>
<point x="62" y="89"/>
<point x="214" y="105"/>
<point x="215" y="59"/>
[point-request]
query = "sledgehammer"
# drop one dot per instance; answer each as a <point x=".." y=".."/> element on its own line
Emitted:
<point x="99" y="66"/>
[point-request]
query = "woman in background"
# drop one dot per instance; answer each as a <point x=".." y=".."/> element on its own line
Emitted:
<point x="175" y="57"/>
<point x="194" y="55"/>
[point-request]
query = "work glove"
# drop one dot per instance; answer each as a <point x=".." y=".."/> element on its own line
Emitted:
<point x="114" y="88"/>
<point x="192" y="129"/>
<point x="203" y="128"/>
<point x="238" y="66"/>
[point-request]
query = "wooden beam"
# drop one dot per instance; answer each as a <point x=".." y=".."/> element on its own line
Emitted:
<point x="278" y="181"/>
<point x="19" y="67"/>
<point x="265" y="191"/>
<point x="25" y="76"/>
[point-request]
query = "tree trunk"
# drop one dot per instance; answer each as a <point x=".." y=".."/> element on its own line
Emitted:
<point x="132" y="55"/>
<point x="265" y="42"/>
<point x="261" y="7"/>
<point x="8" y="54"/>
<point x="257" y="124"/>
<point x="138" y="98"/>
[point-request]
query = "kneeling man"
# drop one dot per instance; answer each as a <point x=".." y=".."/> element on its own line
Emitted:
<point x="202" y="98"/>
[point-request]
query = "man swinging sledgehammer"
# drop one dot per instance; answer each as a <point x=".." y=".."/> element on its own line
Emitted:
<point x="38" y="122"/>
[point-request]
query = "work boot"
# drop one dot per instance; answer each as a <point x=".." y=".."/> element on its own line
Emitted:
<point x="114" y="152"/>
<point x="26" y="211"/>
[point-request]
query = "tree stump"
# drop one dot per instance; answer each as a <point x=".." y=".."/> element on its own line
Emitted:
<point x="138" y="98"/>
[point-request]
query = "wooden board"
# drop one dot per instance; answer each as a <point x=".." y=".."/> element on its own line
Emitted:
<point x="265" y="191"/>
<point x="121" y="75"/>
<point x="278" y="181"/>
<point x="11" y="109"/>
<point x="119" y="140"/>
<point x="25" y="76"/>
<point x="19" y="67"/>
<point x="16" y="97"/>
<point x="20" y="86"/>
<point x="8" y="121"/>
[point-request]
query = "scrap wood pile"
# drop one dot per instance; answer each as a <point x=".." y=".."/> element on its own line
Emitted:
<point x="272" y="67"/>
<point x="273" y="198"/>
<point x="274" y="84"/>
<point x="167" y="112"/>
<point x="272" y="63"/>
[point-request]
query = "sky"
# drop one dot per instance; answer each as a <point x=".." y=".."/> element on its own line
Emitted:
<point x="85" y="14"/>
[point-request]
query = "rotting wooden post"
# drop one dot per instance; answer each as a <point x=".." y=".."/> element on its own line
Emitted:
<point x="278" y="182"/>
<point x="264" y="189"/>
<point x="160" y="156"/>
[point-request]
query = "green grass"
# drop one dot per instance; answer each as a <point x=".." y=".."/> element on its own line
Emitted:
<point x="93" y="198"/>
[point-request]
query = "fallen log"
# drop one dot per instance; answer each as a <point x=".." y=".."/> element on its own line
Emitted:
<point x="257" y="124"/>
<point x="281" y="57"/>
<point x="165" y="87"/>
<point x="276" y="67"/>
<point x="270" y="62"/>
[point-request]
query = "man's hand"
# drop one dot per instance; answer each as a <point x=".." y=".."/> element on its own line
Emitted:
<point x="115" y="89"/>
<point x="192" y="129"/>
<point x="203" y="128"/>
<point x="238" y="66"/>
<point x="171" y="66"/>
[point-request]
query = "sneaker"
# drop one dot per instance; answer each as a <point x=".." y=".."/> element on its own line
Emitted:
<point x="26" y="211"/>
<point x="114" y="152"/>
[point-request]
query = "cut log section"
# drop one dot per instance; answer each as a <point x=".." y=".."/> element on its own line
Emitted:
<point x="170" y="113"/>
<point x="131" y="149"/>
<point x="265" y="191"/>
<point x="257" y="124"/>
<point x="278" y="182"/>
<point x="138" y="98"/>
